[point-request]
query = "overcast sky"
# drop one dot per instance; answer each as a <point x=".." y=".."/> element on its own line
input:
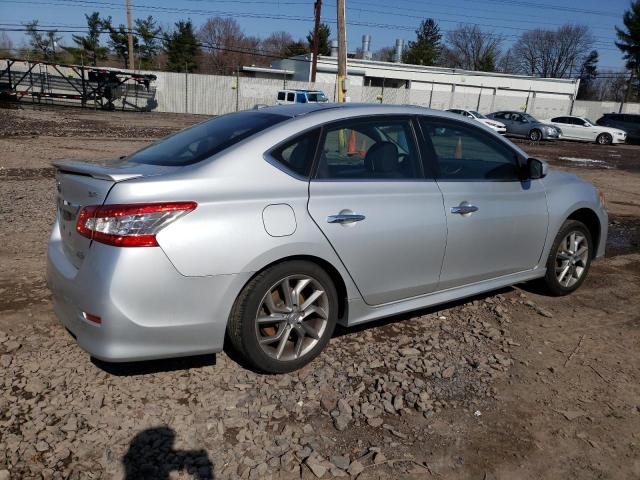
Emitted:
<point x="384" y="20"/>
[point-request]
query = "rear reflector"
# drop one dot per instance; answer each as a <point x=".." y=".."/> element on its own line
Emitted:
<point x="92" y="318"/>
<point x="134" y="225"/>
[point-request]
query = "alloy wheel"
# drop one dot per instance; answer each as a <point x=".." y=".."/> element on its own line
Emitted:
<point x="571" y="258"/>
<point x="292" y="317"/>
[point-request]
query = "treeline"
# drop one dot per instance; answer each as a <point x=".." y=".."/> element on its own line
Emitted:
<point x="220" y="46"/>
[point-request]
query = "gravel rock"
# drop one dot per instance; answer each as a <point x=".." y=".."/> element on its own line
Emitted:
<point x="355" y="468"/>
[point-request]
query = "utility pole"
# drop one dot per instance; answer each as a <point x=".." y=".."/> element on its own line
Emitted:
<point x="130" y="34"/>
<point x="316" y="32"/>
<point x="342" y="51"/>
<point x="626" y="92"/>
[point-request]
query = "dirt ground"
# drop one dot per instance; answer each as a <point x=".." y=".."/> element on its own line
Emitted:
<point x="509" y="385"/>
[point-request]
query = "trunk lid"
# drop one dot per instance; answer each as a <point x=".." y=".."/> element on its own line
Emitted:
<point x="80" y="184"/>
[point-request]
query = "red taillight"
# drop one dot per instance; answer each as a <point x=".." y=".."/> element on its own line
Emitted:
<point x="134" y="225"/>
<point x="92" y="318"/>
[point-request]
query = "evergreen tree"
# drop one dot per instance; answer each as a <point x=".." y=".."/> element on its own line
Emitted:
<point x="119" y="40"/>
<point x="296" y="48"/>
<point x="181" y="47"/>
<point x="43" y="44"/>
<point x="89" y="50"/>
<point x="425" y="49"/>
<point x="324" y="32"/>
<point x="629" y="38"/>
<point x="149" y="41"/>
<point x="588" y="74"/>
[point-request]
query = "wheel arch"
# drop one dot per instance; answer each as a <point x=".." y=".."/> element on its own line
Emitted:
<point x="328" y="267"/>
<point x="590" y="219"/>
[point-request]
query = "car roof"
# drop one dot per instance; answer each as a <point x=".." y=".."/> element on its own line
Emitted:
<point x="297" y="109"/>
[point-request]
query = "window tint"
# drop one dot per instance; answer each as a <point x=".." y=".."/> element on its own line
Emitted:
<point x="465" y="153"/>
<point x="205" y="139"/>
<point x="500" y="115"/>
<point x="377" y="149"/>
<point x="280" y="95"/>
<point x="559" y="120"/>
<point x="301" y="98"/>
<point x="297" y="154"/>
<point x="290" y="97"/>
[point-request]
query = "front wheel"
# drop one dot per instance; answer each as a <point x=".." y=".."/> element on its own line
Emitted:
<point x="284" y="316"/>
<point x="535" y="135"/>
<point x="569" y="259"/>
<point x="604" y="139"/>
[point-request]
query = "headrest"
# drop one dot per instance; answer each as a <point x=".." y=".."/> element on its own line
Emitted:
<point x="382" y="157"/>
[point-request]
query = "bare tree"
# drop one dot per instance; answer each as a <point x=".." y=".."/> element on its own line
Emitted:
<point x="384" y="54"/>
<point x="470" y="48"/>
<point x="6" y="45"/>
<point x="277" y="44"/>
<point x="225" y="46"/>
<point x="553" y="53"/>
<point x="507" y="62"/>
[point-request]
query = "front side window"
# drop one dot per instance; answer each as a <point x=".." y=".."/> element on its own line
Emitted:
<point x="317" y="97"/>
<point x="383" y="149"/>
<point x="301" y="98"/>
<point x="205" y="139"/>
<point x="297" y="154"/>
<point x="465" y="153"/>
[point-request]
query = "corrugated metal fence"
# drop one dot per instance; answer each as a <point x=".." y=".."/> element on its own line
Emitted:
<point x="217" y="94"/>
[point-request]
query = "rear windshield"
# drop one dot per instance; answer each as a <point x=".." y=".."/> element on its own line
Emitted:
<point x="205" y="139"/>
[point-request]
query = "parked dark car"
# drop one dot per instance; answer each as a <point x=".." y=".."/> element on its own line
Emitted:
<point x="630" y="123"/>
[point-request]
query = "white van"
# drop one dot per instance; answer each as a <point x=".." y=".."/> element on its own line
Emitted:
<point x="301" y="96"/>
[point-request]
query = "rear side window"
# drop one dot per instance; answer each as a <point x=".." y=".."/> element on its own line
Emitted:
<point x="205" y="139"/>
<point x="464" y="153"/>
<point x="380" y="149"/>
<point x="297" y="154"/>
<point x="500" y="115"/>
<point x="301" y="98"/>
<point x="559" y="120"/>
<point x="290" y="97"/>
<point x="280" y="95"/>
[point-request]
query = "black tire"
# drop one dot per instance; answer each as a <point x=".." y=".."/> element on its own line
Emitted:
<point x="604" y="139"/>
<point x="551" y="281"/>
<point x="241" y="329"/>
<point x="535" y="135"/>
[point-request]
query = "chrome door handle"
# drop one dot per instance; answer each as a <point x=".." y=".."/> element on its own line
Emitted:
<point x="464" y="209"/>
<point x="345" y="218"/>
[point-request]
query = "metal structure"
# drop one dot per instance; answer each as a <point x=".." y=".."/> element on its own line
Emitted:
<point x="75" y="85"/>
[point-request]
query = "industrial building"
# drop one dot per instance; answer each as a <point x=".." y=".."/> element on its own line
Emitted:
<point x="435" y="87"/>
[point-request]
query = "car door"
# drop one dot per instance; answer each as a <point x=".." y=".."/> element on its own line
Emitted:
<point x="371" y="200"/>
<point x="520" y="126"/>
<point x="496" y="223"/>
<point x="584" y="130"/>
<point x="565" y="125"/>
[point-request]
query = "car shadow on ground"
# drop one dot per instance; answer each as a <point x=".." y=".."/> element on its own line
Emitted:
<point x="155" y="366"/>
<point x="152" y="456"/>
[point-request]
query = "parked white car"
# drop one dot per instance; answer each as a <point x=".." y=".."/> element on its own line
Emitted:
<point x="583" y="129"/>
<point x="492" y="124"/>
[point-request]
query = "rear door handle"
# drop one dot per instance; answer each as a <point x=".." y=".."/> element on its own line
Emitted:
<point x="345" y="218"/>
<point x="464" y="209"/>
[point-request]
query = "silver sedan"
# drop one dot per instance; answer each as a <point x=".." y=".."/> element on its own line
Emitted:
<point x="268" y="227"/>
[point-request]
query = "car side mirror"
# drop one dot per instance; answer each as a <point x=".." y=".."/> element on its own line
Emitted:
<point x="536" y="169"/>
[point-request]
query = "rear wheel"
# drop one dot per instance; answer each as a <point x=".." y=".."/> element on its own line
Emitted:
<point x="604" y="139"/>
<point x="569" y="259"/>
<point x="284" y="316"/>
<point x="535" y="135"/>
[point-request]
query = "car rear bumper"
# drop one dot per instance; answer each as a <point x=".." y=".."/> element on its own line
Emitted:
<point x="148" y="310"/>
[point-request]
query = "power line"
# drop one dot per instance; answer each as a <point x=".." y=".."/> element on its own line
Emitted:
<point x="147" y="8"/>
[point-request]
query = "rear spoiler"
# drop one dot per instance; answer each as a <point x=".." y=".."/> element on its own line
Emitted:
<point x="96" y="170"/>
